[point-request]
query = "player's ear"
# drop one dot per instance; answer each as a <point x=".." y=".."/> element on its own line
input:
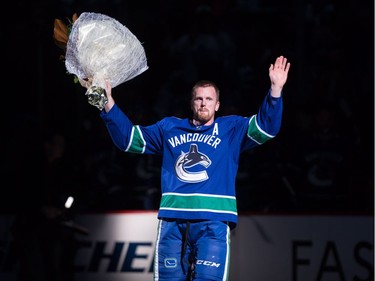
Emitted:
<point x="217" y="106"/>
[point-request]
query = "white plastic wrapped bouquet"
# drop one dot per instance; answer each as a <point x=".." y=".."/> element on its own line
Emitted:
<point x="100" y="48"/>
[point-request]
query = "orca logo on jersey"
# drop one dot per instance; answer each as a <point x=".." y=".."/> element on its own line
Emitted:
<point x="191" y="159"/>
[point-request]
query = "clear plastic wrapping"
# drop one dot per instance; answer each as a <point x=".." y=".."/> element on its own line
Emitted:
<point x="101" y="48"/>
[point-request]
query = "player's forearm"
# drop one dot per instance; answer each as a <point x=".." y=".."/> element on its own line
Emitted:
<point x="108" y="106"/>
<point x="270" y="114"/>
<point x="119" y="126"/>
<point x="276" y="91"/>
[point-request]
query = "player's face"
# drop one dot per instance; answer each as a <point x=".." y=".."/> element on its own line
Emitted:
<point x="204" y="105"/>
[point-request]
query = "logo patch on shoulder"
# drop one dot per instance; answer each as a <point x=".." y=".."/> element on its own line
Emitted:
<point x="170" y="262"/>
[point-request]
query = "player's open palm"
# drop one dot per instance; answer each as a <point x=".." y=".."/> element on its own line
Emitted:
<point x="278" y="72"/>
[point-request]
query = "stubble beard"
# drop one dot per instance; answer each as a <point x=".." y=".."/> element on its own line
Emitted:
<point x="202" y="117"/>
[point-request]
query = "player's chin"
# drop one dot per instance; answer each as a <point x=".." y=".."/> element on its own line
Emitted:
<point x="203" y="120"/>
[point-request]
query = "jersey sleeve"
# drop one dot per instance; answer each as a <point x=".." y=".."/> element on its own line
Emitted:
<point x="266" y="124"/>
<point x="129" y="137"/>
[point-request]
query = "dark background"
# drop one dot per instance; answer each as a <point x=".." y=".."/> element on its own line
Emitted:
<point x="322" y="160"/>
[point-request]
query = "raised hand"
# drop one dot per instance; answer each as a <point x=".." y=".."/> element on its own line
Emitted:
<point x="110" y="102"/>
<point x="278" y="73"/>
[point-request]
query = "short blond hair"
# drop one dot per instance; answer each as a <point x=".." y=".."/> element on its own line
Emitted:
<point x="204" y="84"/>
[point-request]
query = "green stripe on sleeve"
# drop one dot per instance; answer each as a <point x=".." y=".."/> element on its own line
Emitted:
<point x="256" y="133"/>
<point x="137" y="143"/>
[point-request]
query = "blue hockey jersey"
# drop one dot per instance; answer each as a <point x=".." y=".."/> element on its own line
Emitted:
<point x="199" y="163"/>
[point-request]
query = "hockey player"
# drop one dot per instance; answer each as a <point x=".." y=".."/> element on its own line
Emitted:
<point x="200" y="158"/>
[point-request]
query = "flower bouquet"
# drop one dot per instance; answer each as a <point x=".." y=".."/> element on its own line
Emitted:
<point x="100" y="48"/>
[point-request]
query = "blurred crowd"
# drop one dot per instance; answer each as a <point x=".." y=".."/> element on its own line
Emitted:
<point x="56" y="146"/>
